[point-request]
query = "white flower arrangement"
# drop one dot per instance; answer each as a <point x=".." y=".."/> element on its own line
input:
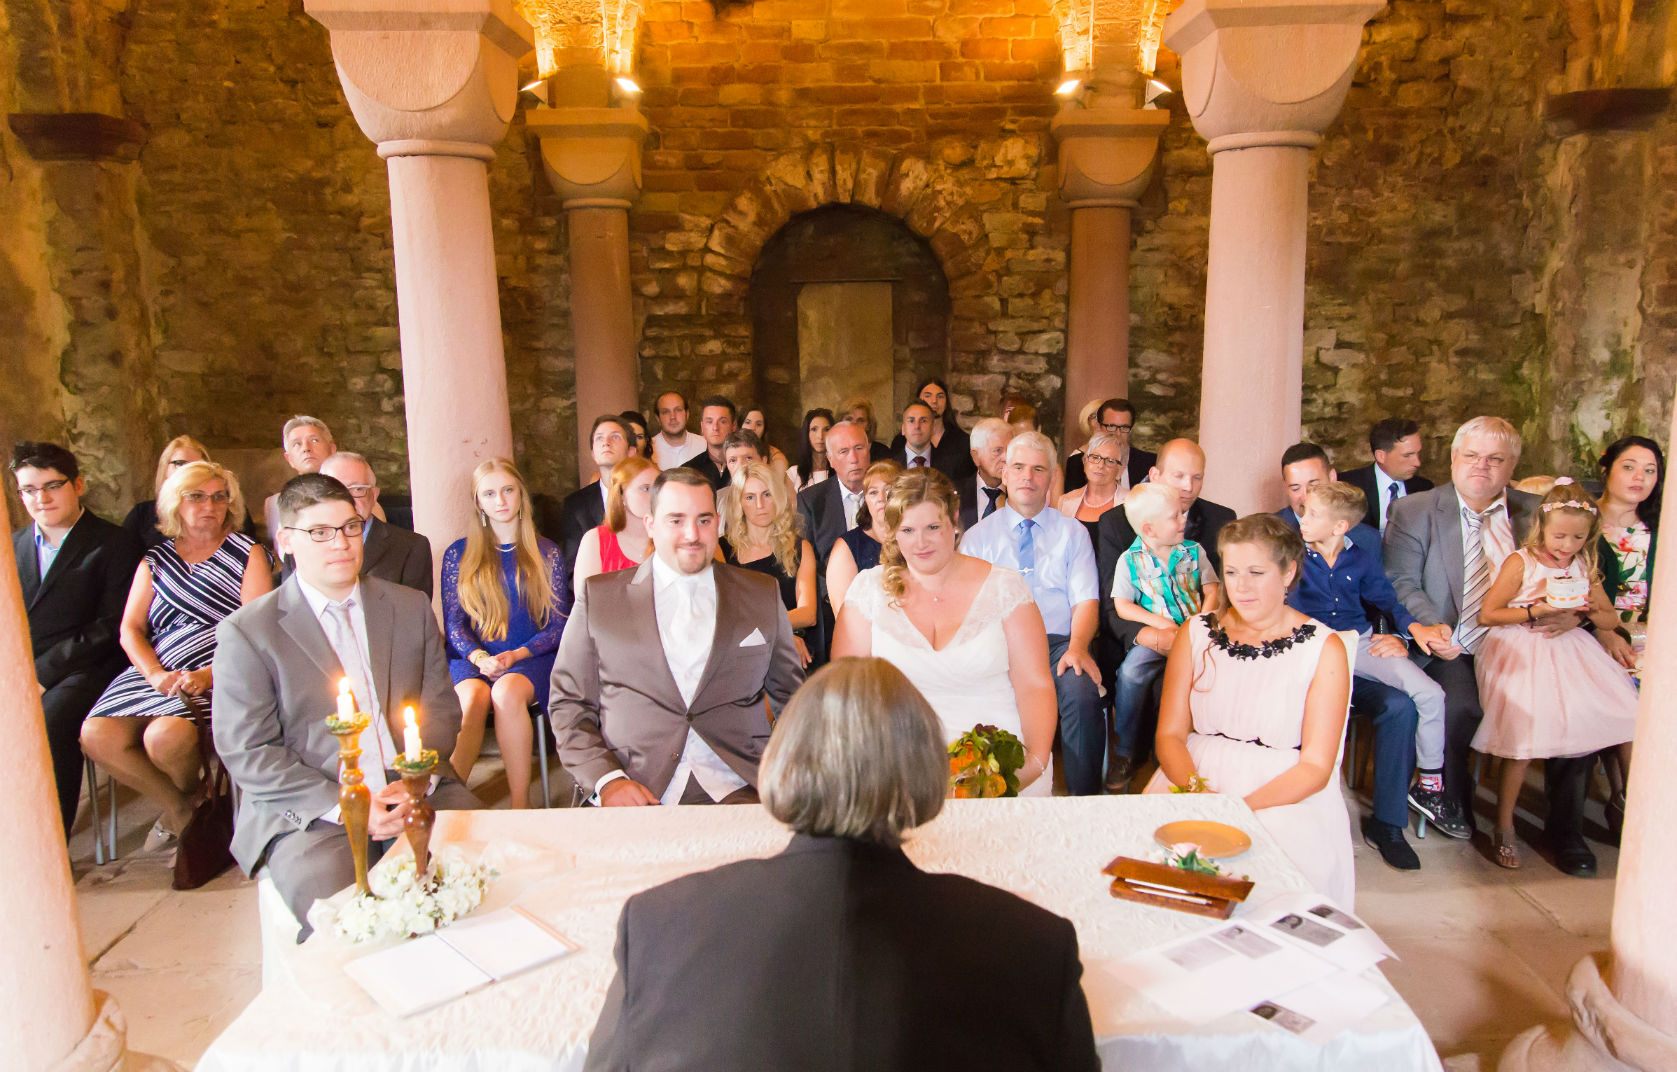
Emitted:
<point x="403" y="905"/>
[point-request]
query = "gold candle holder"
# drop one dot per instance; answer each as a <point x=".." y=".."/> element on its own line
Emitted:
<point x="354" y="798"/>
<point x="416" y="779"/>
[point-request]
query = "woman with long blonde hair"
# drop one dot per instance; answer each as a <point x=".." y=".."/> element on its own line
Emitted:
<point x="762" y="526"/>
<point x="621" y="541"/>
<point x="506" y="596"/>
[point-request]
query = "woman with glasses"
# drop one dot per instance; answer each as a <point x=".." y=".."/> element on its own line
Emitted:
<point x="142" y="520"/>
<point x="1101" y="490"/>
<point x="144" y="729"/>
<point x="506" y="595"/>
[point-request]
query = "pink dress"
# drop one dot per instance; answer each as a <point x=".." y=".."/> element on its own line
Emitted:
<point x="1549" y="696"/>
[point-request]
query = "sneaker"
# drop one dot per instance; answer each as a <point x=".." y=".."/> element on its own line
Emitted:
<point x="1389" y="842"/>
<point x="1442" y="812"/>
<point x="159" y="838"/>
<point x="1119" y="768"/>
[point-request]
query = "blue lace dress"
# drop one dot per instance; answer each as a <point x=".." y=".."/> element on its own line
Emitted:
<point x="522" y="630"/>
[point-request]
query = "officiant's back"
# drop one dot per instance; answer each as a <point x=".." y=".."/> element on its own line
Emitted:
<point x="839" y="953"/>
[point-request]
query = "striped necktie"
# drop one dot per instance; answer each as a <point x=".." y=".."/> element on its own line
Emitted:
<point x="1391" y="501"/>
<point x="1477" y="572"/>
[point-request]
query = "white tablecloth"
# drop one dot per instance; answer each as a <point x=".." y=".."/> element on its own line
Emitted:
<point x="574" y="868"/>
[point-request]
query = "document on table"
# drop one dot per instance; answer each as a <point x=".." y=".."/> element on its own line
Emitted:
<point x="467" y="955"/>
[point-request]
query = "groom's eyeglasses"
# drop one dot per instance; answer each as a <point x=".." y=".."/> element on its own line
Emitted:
<point x="324" y="533"/>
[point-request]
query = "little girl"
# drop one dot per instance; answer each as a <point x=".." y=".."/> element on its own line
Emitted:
<point x="1549" y="696"/>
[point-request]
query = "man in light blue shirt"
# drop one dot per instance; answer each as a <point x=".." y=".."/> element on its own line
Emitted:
<point x="1053" y="553"/>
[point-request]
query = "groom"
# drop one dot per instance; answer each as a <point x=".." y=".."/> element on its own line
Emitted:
<point x="658" y="697"/>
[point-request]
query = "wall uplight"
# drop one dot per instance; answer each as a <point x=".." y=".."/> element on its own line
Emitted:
<point x="1069" y="87"/>
<point x="628" y="86"/>
<point x="1155" y="90"/>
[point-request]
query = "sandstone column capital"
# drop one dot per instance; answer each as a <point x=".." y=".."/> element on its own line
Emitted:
<point x="428" y="77"/>
<point x="1106" y="154"/>
<point x="1272" y="72"/>
<point x="592" y="156"/>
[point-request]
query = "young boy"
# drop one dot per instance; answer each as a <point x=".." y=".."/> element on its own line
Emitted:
<point x="1338" y="576"/>
<point x="1160" y="580"/>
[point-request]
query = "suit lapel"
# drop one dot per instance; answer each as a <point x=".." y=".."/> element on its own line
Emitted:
<point x="28" y="565"/>
<point x="301" y="626"/>
<point x="642" y="607"/>
<point x="727" y="634"/>
<point x="373" y="548"/>
<point x="1450" y="530"/>
<point x="65" y="560"/>
<point x="380" y="617"/>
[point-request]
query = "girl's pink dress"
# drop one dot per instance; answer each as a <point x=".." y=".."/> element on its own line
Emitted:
<point x="1549" y="696"/>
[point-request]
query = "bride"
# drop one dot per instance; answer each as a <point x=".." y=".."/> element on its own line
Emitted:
<point x="967" y="634"/>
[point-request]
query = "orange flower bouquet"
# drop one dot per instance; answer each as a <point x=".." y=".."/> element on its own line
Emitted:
<point x="985" y="762"/>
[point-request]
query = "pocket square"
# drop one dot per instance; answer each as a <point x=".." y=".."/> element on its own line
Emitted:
<point x="754" y="640"/>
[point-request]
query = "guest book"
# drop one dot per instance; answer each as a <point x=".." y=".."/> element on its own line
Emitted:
<point x="467" y="955"/>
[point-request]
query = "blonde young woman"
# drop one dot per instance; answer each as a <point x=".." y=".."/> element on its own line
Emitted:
<point x="762" y="527"/>
<point x="143" y="729"/>
<point x="966" y="633"/>
<point x="506" y="596"/>
<point x="621" y="541"/>
<point x="858" y="549"/>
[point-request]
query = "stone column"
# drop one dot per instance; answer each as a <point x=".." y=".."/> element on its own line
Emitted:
<point x="1261" y="82"/>
<point x="435" y="85"/>
<point x="50" y="1015"/>
<point x="1105" y="163"/>
<point x="592" y="156"/>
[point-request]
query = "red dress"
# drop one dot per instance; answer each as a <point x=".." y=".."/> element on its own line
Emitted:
<point x="612" y="557"/>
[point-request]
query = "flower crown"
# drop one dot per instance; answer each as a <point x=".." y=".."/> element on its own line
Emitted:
<point x="1573" y="504"/>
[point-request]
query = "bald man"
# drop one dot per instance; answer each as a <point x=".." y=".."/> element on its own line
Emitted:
<point x="1180" y="464"/>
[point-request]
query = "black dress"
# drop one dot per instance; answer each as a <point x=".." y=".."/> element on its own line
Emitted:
<point x="769" y="566"/>
<point x="863" y="548"/>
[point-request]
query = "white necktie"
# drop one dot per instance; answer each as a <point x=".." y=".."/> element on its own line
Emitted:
<point x="341" y="633"/>
<point x="690" y="655"/>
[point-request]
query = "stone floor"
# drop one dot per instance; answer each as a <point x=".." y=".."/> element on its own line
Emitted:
<point x="1485" y="952"/>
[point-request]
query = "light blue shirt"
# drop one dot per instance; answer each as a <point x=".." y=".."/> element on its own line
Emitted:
<point x="46" y="553"/>
<point x="1064" y="575"/>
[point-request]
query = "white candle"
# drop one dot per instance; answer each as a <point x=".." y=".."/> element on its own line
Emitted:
<point x="346" y="702"/>
<point x="410" y="736"/>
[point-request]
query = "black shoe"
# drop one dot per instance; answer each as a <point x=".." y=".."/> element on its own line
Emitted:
<point x="1119" y="768"/>
<point x="1389" y="842"/>
<point x="1442" y="812"/>
<point x="1572" y="856"/>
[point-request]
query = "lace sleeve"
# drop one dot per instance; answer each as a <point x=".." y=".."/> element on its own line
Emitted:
<point x="1008" y="592"/>
<point x="548" y="638"/>
<point x="866" y="593"/>
<point x="462" y="638"/>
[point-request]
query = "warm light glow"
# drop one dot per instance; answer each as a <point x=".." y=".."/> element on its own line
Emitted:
<point x="1068" y="87"/>
<point x="410" y="736"/>
<point x="1157" y="86"/>
<point x="537" y="84"/>
<point x="346" y="702"/>
<point x="629" y="85"/>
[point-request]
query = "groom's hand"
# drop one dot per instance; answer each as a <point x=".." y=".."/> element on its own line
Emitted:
<point x="625" y="793"/>
<point x="390" y="806"/>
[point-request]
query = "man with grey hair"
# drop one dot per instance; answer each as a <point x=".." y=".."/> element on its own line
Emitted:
<point x="984" y="491"/>
<point x="1057" y="560"/>
<point x="306" y="442"/>
<point x="388" y="552"/>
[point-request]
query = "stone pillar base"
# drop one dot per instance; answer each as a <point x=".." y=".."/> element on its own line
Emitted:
<point x="105" y="1046"/>
<point x="1603" y="1036"/>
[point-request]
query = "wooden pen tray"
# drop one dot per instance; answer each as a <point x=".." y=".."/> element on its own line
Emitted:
<point x="1163" y="886"/>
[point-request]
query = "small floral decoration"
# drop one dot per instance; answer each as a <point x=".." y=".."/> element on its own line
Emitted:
<point x="985" y="762"/>
<point x="405" y="906"/>
<point x="1196" y="784"/>
<point x="1186" y="856"/>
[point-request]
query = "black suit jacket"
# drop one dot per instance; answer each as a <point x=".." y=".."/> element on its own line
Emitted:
<point x="878" y="452"/>
<point x="952" y="457"/>
<point x="76" y="609"/>
<point x="1363" y="480"/>
<point x="821" y="513"/>
<point x="1205" y="521"/>
<point x="840" y="955"/>
<point x="1140" y="462"/>
<point x="703" y="464"/>
<point x="583" y="510"/>
<point x="973" y="500"/>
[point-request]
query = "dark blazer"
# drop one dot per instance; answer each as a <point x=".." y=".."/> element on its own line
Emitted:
<point x="878" y="452"/>
<point x="390" y="553"/>
<point x="1140" y="463"/>
<point x="821" y="513"/>
<point x="582" y="511"/>
<point x="952" y="457"/>
<point x="1363" y="480"/>
<point x="841" y="956"/>
<point x="973" y="500"/>
<point x="1205" y="521"/>
<point x="76" y="609"/>
<point x="615" y="705"/>
<point x="1422" y="550"/>
<point x="702" y="464"/>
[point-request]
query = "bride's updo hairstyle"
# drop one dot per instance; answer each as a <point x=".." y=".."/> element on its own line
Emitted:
<point x="1279" y="539"/>
<point x="915" y="486"/>
<point x="858" y="753"/>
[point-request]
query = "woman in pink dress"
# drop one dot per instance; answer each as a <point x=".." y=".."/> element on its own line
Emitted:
<point x="1549" y="696"/>
<point x="621" y="542"/>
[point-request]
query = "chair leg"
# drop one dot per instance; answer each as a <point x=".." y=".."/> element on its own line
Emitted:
<point x="90" y="775"/>
<point x="541" y="753"/>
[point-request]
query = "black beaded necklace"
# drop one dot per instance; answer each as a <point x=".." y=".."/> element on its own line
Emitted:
<point x="1267" y="650"/>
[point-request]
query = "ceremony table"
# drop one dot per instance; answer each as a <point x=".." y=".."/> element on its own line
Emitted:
<point x="574" y="868"/>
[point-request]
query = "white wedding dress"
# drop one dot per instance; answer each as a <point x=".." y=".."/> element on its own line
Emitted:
<point x="966" y="681"/>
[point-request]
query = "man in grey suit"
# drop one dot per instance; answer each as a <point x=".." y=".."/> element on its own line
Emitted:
<point x="278" y="662"/>
<point x="388" y="552"/>
<point x="658" y="698"/>
<point x="1442" y="550"/>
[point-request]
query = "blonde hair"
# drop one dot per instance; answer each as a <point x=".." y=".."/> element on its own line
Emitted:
<point x="482" y="595"/>
<point x="1339" y="500"/>
<point x="1570" y="499"/>
<point x="191" y="477"/>
<point x="888" y="471"/>
<point x="913" y="487"/>
<point x="1494" y="428"/>
<point x="622" y="475"/>
<point x="857" y="402"/>
<point x="783" y="536"/>
<point x="180" y="442"/>
<point x="1148" y="502"/>
<point x="857" y="753"/>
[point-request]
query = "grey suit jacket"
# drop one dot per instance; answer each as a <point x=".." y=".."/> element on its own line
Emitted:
<point x="276" y="681"/>
<point x="1422" y="549"/>
<point x="615" y="705"/>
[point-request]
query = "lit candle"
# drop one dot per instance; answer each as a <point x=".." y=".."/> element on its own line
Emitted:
<point x="410" y="736"/>
<point x="346" y="702"/>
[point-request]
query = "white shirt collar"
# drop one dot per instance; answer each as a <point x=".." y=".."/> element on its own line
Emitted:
<point x="1501" y="500"/>
<point x="913" y="454"/>
<point x="318" y="600"/>
<point x="665" y="577"/>
<point x="1383" y="479"/>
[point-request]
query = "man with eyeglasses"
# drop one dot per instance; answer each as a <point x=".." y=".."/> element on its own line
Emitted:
<point x="388" y="552"/>
<point x="75" y="569"/>
<point x="1116" y="416"/>
<point x="278" y="662"/>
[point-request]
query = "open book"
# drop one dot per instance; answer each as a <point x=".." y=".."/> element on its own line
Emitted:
<point x="465" y="956"/>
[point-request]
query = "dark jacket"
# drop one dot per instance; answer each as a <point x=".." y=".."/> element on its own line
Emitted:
<point x="841" y="955"/>
<point x="76" y="609"/>
<point x="1363" y="480"/>
<point x="582" y="511"/>
<point x="390" y="553"/>
<point x="1205" y="521"/>
<point x="705" y="466"/>
<point x="952" y="456"/>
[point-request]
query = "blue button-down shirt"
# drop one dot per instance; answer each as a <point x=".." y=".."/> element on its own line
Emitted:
<point x="46" y="553"/>
<point x="1064" y="575"/>
<point x="1334" y="595"/>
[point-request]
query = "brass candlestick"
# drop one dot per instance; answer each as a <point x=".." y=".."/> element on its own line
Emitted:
<point x="354" y="798"/>
<point x="416" y="779"/>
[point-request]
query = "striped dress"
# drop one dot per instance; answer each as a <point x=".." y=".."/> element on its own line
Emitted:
<point x="187" y="603"/>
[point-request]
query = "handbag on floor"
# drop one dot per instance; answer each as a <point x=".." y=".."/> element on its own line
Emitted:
<point x="204" y="850"/>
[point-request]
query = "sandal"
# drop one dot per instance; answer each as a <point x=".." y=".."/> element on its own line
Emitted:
<point x="1507" y="850"/>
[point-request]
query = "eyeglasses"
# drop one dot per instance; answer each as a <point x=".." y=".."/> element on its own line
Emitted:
<point x="1116" y="428"/>
<point x="51" y="487"/>
<point x="1475" y="460"/>
<point x="196" y="497"/>
<point x="324" y="533"/>
<point x="1099" y="459"/>
<point x="359" y="490"/>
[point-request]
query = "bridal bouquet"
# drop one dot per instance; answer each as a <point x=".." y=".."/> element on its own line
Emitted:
<point x="985" y="762"/>
<point x="406" y="905"/>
